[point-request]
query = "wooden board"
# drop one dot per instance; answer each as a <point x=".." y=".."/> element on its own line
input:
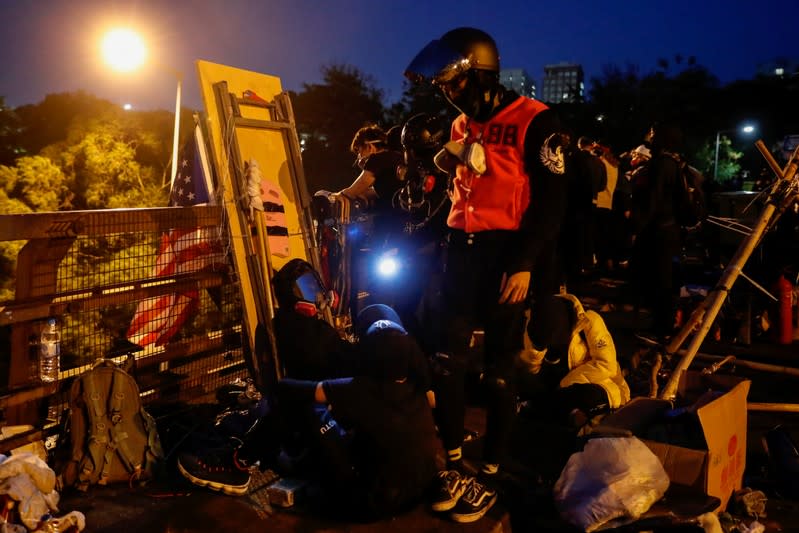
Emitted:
<point x="268" y="147"/>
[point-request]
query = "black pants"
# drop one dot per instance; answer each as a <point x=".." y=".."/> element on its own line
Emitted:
<point x="654" y="255"/>
<point x="311" y="426"/>
<point x="577" y="243"/>
<point x="604" y="237"/>
<point x="470" y="291"/>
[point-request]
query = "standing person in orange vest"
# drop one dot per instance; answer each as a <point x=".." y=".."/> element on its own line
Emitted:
<point x="508" y="198"/>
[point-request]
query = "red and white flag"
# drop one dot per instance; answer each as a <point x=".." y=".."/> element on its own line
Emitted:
<point x="181" y="251"/>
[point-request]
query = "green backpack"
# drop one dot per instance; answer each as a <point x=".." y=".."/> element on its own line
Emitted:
<point x="107" y="435"/>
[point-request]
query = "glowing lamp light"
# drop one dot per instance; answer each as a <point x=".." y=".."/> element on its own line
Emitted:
<point x="123" y="49"/>
<point x="748" y="128"/>
<point x="387" y="266"/>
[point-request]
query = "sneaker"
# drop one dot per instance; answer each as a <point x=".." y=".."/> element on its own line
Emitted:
<point x="215" y="471"/>
<point x="451" y="486"/>
<point x="531" y="359"/>
<point x="475" y="503"/>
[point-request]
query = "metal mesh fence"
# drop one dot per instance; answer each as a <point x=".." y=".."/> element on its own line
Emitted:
<point x="162" y="290"/>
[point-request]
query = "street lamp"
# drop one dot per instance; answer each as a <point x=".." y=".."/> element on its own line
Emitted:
<point x="746" y="128"/>
<point x="124" y="50"/>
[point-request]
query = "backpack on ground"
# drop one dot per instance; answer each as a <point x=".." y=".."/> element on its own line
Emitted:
<point x="690" y="207"/>
<point x="106" y="435"/>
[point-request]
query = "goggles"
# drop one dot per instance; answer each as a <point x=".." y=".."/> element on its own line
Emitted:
<point x="437" y="63"/>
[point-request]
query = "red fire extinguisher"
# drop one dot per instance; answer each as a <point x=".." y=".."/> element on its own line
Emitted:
<point x="785" y="323"/>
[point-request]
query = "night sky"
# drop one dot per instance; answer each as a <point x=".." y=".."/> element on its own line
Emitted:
<point x="51" y="46"/>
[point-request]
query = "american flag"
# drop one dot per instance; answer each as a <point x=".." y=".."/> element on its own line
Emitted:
<point x="181" y="251"/>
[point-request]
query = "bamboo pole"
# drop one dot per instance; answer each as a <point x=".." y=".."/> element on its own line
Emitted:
<point x="265" y="257"/>
<point x="773" y="407"/>
<point x="765" y="367"/>
<point x="753" y="365"/>
<point x="240" y="234"/>
<point x="702" y="318"/>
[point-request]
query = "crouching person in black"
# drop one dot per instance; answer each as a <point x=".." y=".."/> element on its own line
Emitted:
<point x="309" y="347"/>
<point x="367" y="441"/>
<point x="371" y="435"/>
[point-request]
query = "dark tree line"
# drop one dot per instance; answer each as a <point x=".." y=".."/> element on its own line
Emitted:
<point x="100" y="150"/>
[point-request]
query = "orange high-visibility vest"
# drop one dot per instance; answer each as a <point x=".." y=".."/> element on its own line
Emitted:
<point x="498" y="198"/>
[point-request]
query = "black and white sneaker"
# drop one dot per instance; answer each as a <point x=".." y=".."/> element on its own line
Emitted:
<point x="450" y="487"/>
<point x="474" y="503"/>
<point x="217" y="471"/>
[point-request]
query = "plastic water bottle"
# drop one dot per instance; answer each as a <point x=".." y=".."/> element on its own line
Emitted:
<point x="49" y="352"/>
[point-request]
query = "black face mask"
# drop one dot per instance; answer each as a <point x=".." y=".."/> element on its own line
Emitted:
<point x="470" y="100"/>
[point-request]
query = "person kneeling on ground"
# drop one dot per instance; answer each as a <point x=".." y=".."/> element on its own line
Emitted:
<point x="579" y="367"/>
<point x="374" y="437"/>
<point x="370" y="439"/>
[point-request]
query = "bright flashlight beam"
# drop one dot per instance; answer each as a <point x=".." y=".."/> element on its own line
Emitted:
<point x="123" y="49"/>
<point x="388" y="266"/>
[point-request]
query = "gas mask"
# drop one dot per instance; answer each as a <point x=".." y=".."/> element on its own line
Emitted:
<point x="472" y="93"/>
<point x="472" y="155"/>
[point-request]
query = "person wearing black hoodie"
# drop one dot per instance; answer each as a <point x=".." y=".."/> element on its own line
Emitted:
<point x="366" y="442"/>
<point x="372" y="434"/>
<point x="657" y="238"/>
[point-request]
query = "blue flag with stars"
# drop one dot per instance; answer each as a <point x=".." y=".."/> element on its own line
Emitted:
<point x="192" y="184"/>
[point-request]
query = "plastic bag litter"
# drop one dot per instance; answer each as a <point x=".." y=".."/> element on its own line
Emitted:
<point x="609" y="479"/>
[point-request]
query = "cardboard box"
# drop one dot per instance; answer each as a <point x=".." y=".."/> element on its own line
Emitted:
<point x="717" y="468"/>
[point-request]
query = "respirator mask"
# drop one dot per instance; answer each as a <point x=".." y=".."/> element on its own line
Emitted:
<point x="472" y="155"/>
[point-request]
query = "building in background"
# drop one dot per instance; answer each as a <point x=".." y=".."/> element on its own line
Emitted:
<point x="781" y="67"/>
<point x="518" y="80"/>
<point x="563" y="83"/>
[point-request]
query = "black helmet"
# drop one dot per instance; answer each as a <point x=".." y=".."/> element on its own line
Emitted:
<point x="456" y="52"/>
<point x="423" y="135"/>
<point x="464" y="63"/>
<point x="297" y="281"/>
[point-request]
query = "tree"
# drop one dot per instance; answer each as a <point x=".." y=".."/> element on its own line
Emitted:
<point x="10" y="148"/>
<point x="9" y="250"/>
<point x="49" y="121"/>
<point x="102" y="172"/>
<point x="630" y="103"/>
<point x="35" y="182"/>
<point x="328" y="115"/>
<point x="729" y="165"/>
<point x="615" y="95"/>
<point x="419" y="98"/>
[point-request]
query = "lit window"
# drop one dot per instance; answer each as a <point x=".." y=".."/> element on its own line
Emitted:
<point x="779" y="71"/>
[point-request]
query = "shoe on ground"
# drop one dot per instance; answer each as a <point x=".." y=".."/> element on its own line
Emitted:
<point x="531" y="359"/>
<point x="474" y="503"/>
<point x="216" y="471"/>
<point x="450" y="486"/>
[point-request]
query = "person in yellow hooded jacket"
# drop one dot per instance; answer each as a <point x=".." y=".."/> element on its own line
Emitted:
<point x="579" y="365"/>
